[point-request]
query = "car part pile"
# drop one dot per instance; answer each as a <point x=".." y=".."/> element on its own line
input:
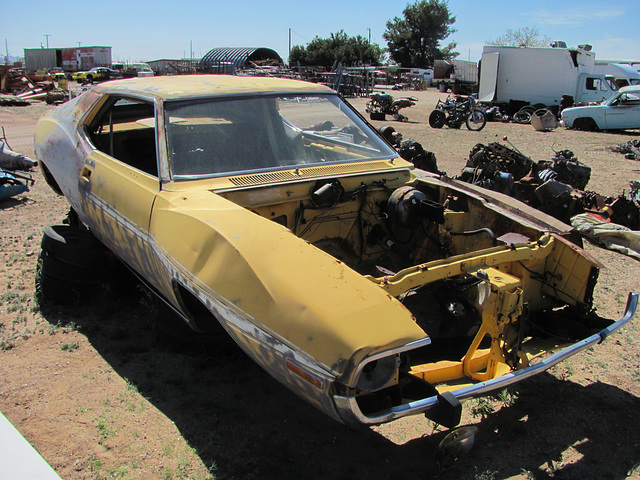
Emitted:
<point x="382" y="104"/>
<point x="12" y="182"/>
<point x="554" y="186"/>
<point x="410" y="150"/>
<point x="630" y="150"/>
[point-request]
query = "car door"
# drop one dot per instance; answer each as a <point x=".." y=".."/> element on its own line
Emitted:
<point x="624" y="112"/>
<point x="119" y="181"/>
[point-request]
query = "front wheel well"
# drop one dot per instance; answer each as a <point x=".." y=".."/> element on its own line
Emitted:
<point x="200" y="317"/>
<point x="585" y="123"/>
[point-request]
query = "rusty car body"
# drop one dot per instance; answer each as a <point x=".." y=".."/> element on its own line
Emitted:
<point x="271" y="208"/>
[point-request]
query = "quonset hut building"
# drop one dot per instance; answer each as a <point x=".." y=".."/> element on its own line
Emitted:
<point x="228" y="60"/>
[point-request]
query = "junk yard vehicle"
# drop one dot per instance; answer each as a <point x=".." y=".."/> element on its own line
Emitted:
<point x="271" y="209"/>
<point x="620" y="112"/>
<point x="552" y="77"/>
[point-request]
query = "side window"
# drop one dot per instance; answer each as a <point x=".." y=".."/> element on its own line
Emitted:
<point x="593" y="83"/>
<point x="600" y="84"/>
<point x="126" y="130"/>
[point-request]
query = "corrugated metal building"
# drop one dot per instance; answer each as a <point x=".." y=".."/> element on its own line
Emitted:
<point x="69" y="59"/>
<point x="228" y="60"/>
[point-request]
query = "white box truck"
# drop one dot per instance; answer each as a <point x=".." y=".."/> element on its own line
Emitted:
<point x="550" y="76"/>
<point x="622" y="72"/>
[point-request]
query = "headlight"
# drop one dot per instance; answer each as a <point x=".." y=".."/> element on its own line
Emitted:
<point x="378" y="374"/>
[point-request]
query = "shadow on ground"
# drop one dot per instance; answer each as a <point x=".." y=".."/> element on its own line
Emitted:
<point x="251" y="427"/>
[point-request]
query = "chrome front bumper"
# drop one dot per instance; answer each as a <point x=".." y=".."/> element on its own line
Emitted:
<point x="351" y="413"/>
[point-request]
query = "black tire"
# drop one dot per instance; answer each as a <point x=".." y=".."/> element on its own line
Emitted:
<point x="387" y="132"/>
<point x="529" y="109"/>
<point x="75" y="268"/>
<point x="437" y="119"/>
<point x="522" y="117"/>
<point x="56" y="268"/>
<point x="59" y="288"/>
<point x="476" y="121"/>
<point x="377" y="116"/>
<point x="76" y="246"/>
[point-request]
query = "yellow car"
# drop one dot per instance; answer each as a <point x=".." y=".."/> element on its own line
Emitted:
<point x="271" y="209"/>
<point x="96" y="74"/>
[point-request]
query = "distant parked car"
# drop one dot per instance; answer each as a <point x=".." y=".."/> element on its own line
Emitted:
<point x="96" y="74"/>
<point x="622" y="111"/>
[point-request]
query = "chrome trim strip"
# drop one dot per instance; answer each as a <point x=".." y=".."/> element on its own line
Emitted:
<point x="351" y="413"/>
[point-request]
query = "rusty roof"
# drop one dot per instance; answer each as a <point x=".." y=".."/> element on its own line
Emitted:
<point x="192" y="86"/>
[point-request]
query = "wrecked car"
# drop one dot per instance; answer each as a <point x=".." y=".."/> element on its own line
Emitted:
<point x="271" y="209"/>
<point x="620" y="112"/>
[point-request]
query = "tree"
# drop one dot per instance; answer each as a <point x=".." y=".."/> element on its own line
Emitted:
<point x="339" y="48"/>
<point x="523" y="37"/>
<point x="414" y="41"/>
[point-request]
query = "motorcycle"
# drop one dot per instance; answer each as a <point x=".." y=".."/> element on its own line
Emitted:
<point x="453" y="111"/>
<point x="382" y="104"/>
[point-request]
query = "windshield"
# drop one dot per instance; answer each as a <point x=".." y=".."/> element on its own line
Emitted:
<point x="223" y="135"/>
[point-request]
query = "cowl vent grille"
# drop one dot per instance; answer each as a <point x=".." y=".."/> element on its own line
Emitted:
<point x="310" y="172"/>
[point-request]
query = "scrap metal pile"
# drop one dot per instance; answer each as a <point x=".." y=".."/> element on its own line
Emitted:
<point x="18" y="89"/>
<point x="556" y="186"/>
<point x="382" y="104"/>
<point x="14" y="177"/>
<point x="630" y="150"/>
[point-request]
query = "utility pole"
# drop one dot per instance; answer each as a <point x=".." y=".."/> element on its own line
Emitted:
<point x="369" y="34"/>
<point x="47" y="35"/>
<point x="289" y="54"/>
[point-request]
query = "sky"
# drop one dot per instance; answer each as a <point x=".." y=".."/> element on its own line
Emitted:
<point x="163" y="29"/>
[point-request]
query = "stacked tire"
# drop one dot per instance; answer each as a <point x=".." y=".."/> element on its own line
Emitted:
<point x="75" y="268"/>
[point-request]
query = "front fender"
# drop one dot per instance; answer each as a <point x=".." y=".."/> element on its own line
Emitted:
<point x="282" y="285"/>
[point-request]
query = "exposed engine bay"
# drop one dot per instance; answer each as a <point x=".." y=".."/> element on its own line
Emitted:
<point x="480" y="282"/>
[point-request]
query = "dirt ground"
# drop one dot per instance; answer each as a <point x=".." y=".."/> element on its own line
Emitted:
<point x="101" y="395"/>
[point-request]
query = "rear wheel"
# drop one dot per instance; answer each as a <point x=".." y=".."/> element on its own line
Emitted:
<point x="476" y="121"/>
<point x="437" y="119"/>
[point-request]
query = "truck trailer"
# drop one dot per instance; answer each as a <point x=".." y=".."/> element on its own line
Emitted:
<point x="623" y="73"/>
<point x="542" y="76"/>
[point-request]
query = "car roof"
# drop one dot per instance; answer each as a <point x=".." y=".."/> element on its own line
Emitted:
<point x="192" y="86"/>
